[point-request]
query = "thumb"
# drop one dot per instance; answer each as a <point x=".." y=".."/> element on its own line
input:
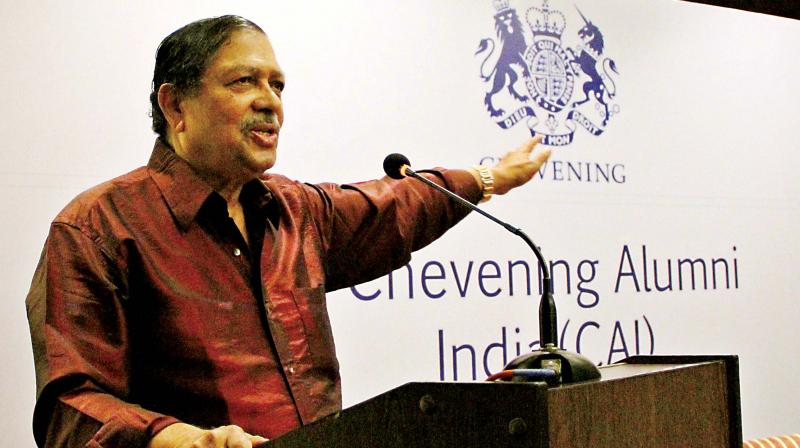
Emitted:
<point x="258" y="440"/>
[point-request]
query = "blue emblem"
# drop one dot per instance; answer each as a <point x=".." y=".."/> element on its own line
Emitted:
<point x="564" y="87"/>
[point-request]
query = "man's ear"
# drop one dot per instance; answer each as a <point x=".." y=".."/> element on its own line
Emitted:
<point x="169" y="102"/>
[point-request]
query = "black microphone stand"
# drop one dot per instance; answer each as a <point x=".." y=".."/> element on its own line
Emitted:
<point x="569" y="367"/>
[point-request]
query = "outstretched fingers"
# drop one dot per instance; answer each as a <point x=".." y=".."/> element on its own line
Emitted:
<point x="518" y="167"/>
<point x="530" y="144"/>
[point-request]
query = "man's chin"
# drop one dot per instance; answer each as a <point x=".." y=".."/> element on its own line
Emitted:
<point x="264" y="163"/>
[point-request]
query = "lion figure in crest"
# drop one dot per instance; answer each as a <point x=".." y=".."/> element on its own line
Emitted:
<point x="512" y="50"/>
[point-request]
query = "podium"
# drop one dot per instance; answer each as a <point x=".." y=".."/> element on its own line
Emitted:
<point x="642" y="401"/>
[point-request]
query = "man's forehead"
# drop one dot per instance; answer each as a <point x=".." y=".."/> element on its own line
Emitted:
<point x="247" y="50"/>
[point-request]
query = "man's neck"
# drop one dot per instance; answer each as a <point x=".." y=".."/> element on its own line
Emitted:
<point x="236" y="213"/>
<point x="230" y="188"/>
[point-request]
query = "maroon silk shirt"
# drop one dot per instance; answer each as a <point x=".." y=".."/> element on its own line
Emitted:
<point x="149" y="308"/>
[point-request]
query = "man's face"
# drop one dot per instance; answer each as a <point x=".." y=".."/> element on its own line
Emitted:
<point x="233" y="120"/>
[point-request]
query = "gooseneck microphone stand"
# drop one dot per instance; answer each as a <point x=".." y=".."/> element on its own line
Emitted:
<point x="569" y="367"/>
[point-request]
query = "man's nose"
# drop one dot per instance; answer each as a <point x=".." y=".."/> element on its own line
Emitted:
<point x="267" y="100"/>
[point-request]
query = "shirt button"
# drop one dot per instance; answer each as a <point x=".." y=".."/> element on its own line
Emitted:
<point x="237" y="252"/>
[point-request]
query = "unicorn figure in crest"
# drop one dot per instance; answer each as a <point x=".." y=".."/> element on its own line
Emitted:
<point x="587" y="61"/>
<point x="512" y="41"/>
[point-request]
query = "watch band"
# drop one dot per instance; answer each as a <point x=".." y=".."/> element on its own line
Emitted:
<point x="487" y="182"/>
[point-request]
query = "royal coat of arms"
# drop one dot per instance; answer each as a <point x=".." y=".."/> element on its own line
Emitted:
<point x="563" y="87"/>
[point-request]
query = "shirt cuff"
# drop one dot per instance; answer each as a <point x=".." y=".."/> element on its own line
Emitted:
<point x="121" y="431"/>
<point x="462" y="182"/>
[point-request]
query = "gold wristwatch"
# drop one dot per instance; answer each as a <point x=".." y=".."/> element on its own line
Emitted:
<point x="487" y="182"/>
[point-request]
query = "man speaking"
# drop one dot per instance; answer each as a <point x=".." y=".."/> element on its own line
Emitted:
<point x="183" y="304"/>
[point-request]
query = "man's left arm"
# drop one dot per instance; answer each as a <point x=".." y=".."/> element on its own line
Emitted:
<point x="371" y="228"/>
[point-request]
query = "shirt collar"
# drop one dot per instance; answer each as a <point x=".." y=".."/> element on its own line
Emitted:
<point x="183" y="189"/>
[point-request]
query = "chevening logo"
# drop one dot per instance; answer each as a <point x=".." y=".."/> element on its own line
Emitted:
<point x="565" y="88"/>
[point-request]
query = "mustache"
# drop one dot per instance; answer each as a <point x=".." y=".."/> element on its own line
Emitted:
<point x="261" y="119"/>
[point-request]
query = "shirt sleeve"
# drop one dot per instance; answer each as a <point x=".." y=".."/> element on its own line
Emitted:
<point x="76" y="311"/>
<point x="369" y="229"/>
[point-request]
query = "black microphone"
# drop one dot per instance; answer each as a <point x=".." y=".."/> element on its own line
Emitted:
<point x="393" y="164"/>
<point x="569" y="367"/>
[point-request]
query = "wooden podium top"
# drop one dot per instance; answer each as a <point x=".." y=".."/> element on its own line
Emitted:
<point x="653" y="401"/>
<point x="622" y="370"/>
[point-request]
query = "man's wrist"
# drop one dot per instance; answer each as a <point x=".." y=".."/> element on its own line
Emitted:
<point x="485" y="179"/>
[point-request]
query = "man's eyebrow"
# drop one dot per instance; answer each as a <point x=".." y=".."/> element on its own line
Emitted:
<point x="250" y="69"/>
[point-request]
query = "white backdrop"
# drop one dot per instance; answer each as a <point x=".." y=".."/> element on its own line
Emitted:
<point x="703" y="144"/>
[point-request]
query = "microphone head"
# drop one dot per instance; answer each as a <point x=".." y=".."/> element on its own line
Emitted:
<point x="393" y="163"/>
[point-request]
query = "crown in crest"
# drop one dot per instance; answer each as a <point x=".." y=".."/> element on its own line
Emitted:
<point x="545" y="22"/>
<point x="500" y="5"/>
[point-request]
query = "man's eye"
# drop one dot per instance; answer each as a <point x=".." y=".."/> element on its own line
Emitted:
<point x="245" y="80"/>
<point x="278" y="85"/>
